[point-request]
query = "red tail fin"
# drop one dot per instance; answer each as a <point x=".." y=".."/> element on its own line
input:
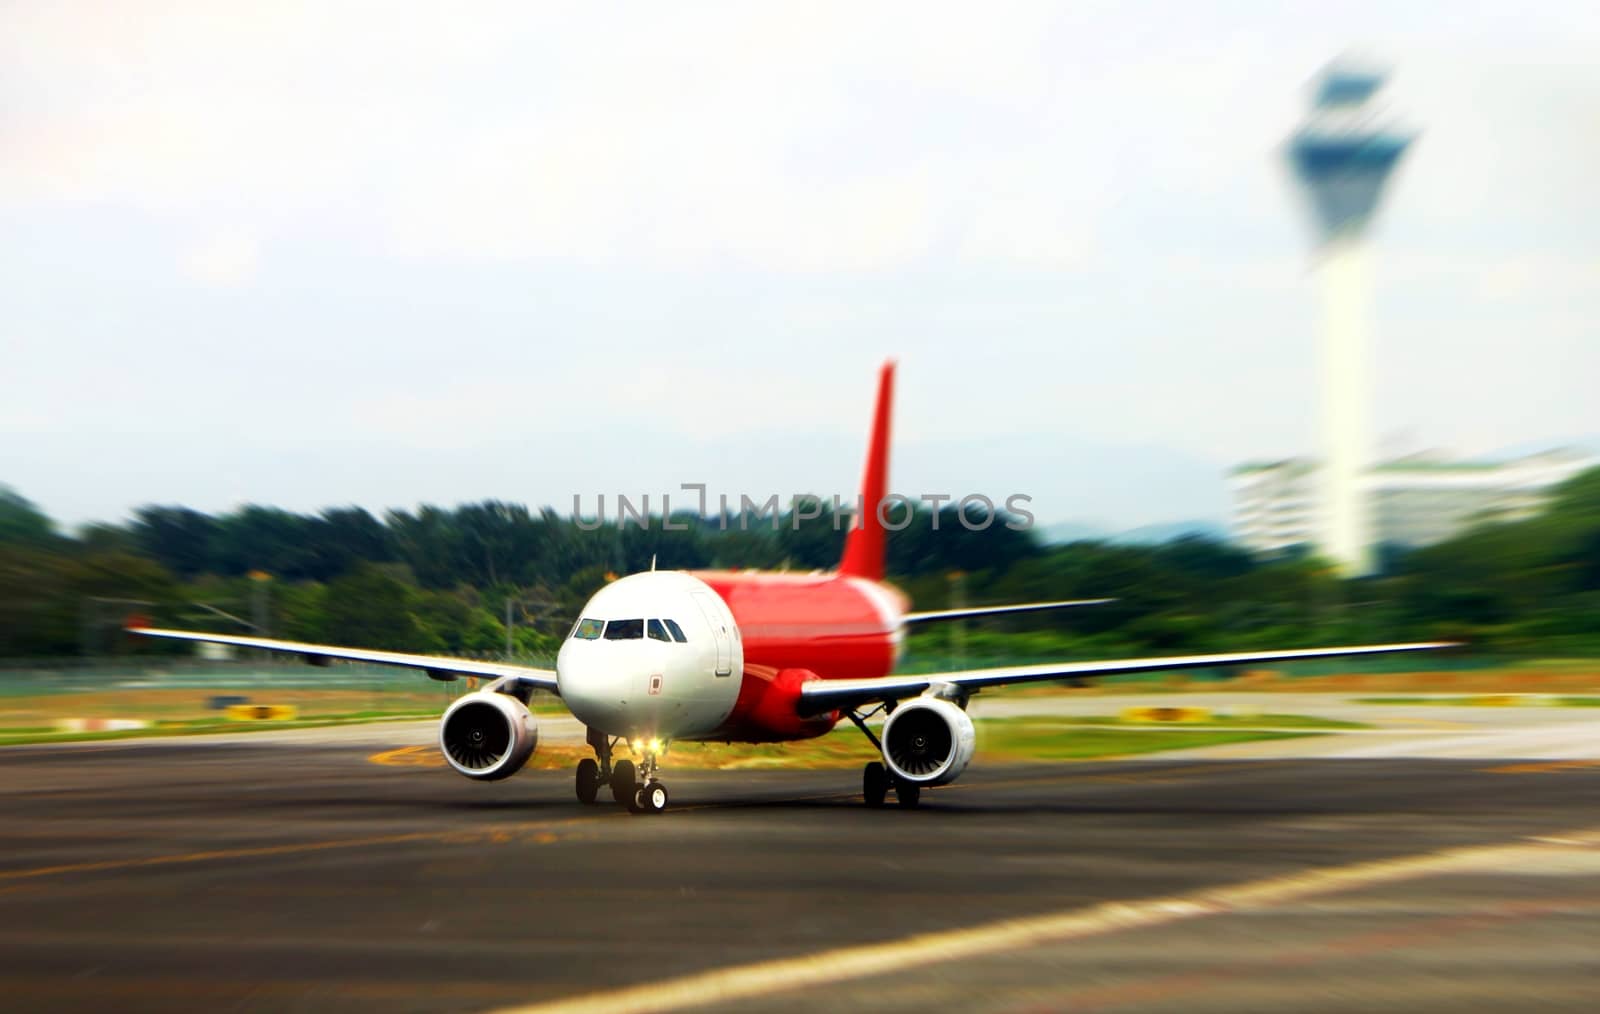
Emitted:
<point x="864" y="543"/>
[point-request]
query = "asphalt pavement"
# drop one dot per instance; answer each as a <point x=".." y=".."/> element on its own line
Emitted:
<point x="293" y="875"/>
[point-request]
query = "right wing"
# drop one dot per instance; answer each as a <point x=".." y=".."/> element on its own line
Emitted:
<point x="438" y="666"/>
<point x="819" y="695"/>
<point x="1019" y="607"/>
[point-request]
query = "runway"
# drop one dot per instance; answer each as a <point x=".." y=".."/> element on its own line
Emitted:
<point x="295" y="876"/>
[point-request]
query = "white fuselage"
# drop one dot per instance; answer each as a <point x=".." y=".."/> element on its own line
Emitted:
<point x="654" y="655"/>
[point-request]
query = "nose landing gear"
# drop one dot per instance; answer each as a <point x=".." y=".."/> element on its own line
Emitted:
<point x="650" y="796"/>
<point x="634" y="786"/>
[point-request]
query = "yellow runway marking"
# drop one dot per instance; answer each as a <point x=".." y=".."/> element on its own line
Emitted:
<point x="409" y="757"/>
<point x="1008" y="936"/>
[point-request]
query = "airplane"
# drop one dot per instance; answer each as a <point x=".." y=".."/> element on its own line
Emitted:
<point x="747" y="657"/>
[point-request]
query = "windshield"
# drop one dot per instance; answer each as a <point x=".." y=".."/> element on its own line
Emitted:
<point x="624" y="630"/>
<point x="587" y="630"/>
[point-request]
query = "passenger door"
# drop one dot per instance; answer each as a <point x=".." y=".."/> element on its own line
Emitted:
<point x="716" y="619"/>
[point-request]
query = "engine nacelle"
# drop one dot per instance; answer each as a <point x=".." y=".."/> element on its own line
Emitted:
<point x="928" y="741"/>
<point x="487" y="735"/>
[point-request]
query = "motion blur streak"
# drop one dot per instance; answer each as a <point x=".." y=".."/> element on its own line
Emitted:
<point x="1010" y="935"/>
<point x="536" y="832"/>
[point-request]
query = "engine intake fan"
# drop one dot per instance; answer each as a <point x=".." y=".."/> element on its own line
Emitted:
<point x="928" y="741"/>
<point x="488" y="735"/>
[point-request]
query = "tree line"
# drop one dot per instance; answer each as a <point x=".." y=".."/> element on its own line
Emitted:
<point x="448" y="579"/>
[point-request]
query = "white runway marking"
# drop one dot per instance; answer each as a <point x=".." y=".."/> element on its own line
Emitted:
<point x="740" y="982"/>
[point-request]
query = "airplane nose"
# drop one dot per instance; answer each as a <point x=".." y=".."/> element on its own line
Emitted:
<point x="603" y="688"/>
<point x="584" y="675"/>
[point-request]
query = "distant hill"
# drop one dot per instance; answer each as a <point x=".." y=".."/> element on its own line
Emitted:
<point x="1590" y="444"/>
<point x="1154" y="535"/>
<point x="1144" y="535"/>
<point x="1071" y="531"/>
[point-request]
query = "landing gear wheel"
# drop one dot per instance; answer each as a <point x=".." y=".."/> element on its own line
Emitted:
<point x="908" y="794"/>
<point x="624" y="783"/>
<point x="874" y="784"/>
<point x="588" y="780"/>
<point x="652" y="798"/>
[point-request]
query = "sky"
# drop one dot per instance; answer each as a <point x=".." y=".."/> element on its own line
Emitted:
<point x="313" y="254"/>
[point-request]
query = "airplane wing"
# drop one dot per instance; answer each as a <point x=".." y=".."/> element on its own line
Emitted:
<point x="1020" y="607"/>
<point x="817" y="696"/>
<point x="438" y="666"/>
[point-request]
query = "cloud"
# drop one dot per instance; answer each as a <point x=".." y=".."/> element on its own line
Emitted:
<point x="776" y="139"/>
<point x="225" y="259"/>
<point x="1069" y="219"/>
<point x="824" y="138"/>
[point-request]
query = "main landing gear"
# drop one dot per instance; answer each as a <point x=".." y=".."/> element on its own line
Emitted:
<point x="876" y="781"/>
<point x="588" y="780"/>
<point x="634" y="786"/>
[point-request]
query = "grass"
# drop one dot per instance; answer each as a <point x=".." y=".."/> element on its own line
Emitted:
<point x="199" y="727"/>
<point x="1257" y="722"/>
<point x="184" y="711"/>
<point x="1041" y="741"/>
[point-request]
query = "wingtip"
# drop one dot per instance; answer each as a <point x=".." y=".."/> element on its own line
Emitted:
<point x="1423" y="646"/>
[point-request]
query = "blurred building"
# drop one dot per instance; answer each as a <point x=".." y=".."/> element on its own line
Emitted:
<point x="1274" y="505"/>
<point x="1414" y="501"/>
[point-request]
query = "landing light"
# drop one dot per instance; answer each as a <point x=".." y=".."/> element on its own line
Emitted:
<point x="655" y="746"/>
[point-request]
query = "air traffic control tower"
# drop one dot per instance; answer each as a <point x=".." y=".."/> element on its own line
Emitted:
<point x="1342" y="156"/>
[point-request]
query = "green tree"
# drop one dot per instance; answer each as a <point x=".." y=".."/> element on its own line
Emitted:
<point x="371" y="608"/>
<point x="22" y="522"/>
<point x="178" y="538"/>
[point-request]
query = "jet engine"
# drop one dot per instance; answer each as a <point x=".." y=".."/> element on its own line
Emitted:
<point x="928" y="741"/>
<point x="487" y="735"/>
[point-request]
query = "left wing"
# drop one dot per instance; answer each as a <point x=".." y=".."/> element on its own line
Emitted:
<point x="438" y="666"/>
<point x="1019" y="607"/>
<point x="817" y="696"/>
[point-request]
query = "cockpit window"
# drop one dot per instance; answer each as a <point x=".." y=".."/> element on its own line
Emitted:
<point x="657" y="631"/>
<point x="588" y="630"/>
<point x="677" y="631"/>
<point x="624" y="630"/>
